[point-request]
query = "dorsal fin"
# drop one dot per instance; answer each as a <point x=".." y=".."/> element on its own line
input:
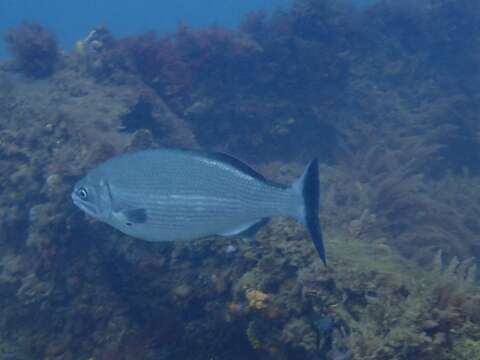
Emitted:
<point x="234" y="163"/>
<point x="237" y="164"/>
<point x="240" y="166"/>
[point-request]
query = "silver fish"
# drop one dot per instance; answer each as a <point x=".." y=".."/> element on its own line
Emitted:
<point x="170" y="194"/>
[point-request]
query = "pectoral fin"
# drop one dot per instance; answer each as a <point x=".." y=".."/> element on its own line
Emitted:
<point x="131" y="216"/>
<point x="137" y="216"/>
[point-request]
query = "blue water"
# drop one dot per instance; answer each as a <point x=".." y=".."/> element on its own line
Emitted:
<point x="72" y="20"/>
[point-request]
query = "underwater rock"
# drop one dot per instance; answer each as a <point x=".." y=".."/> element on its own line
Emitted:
<point x="299" y="333"/>
<point x="54" y="180"/>
<point x="97" y="53"/>
<point x="182" y="292"/>
<point x="142" y="140"/>
<point x="230" y="249"/>
<point x="56" y="349"/>
<point x="429" y="325"/>
<point x="198" y="108"/>
<point x="13" y="268"/>
<point x="96" y="40"/>
<point x="33" y="289"/>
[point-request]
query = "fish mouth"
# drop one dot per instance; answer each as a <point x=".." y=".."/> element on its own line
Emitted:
<point x="84" y="206"/>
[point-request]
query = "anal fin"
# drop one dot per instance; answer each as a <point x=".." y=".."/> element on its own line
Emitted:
<point x="247" y="231"/>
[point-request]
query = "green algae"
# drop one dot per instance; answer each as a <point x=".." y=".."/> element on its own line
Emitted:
<point x="397" y="323"/>
<point x="384" y="306"/>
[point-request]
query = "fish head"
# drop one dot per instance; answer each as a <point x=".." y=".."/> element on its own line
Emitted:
<point x="92" y="195"/>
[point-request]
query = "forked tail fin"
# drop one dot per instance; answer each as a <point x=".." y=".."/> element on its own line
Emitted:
<point x="309" y="186"/>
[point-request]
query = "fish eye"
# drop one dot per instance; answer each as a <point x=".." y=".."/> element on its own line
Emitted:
<point x="82" y="193"/>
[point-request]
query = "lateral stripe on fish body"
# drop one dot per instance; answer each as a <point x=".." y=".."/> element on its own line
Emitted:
<point x="171" y="194"/>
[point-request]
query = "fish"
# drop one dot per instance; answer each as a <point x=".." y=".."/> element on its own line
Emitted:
<point x="177" y="194"/>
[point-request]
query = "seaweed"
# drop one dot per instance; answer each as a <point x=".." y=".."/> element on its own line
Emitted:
<point x="34" y="48"/>
<point x="396" y="194"/>
<point x="366" y="90"/>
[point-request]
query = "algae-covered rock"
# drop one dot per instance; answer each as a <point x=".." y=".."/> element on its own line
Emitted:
<point x="395" y="125"/>
<point x="299" y="333"/>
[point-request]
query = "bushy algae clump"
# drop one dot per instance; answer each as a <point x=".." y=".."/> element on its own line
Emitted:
<point x="34" y="48"/>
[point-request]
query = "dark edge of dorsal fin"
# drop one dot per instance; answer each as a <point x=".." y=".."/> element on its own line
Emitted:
<point x="234" y="163"/>
<point x="243" y="167"/>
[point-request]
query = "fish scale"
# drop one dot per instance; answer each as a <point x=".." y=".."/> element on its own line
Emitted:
<point x="171" y="194"/>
